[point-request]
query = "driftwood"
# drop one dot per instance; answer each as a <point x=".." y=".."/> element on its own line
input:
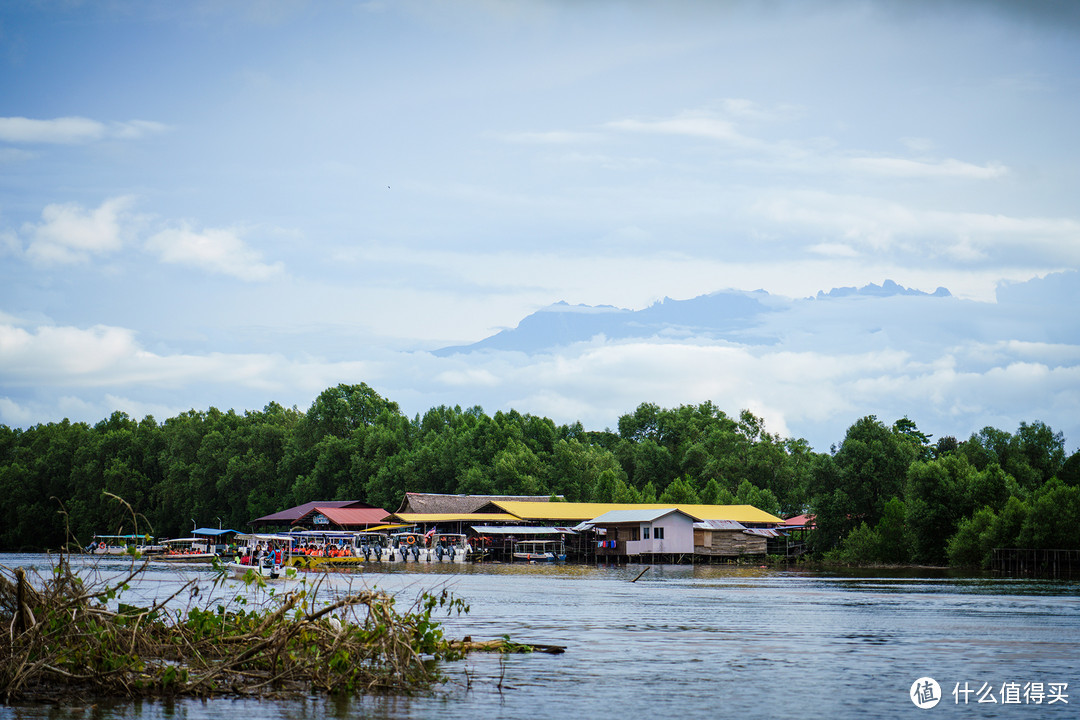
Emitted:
<point x="504" y="645"/>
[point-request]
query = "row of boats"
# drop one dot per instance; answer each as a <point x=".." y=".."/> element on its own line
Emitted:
<point x="268" y="553"/>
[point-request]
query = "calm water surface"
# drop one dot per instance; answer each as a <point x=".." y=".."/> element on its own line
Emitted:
<point x="694" y="641"/>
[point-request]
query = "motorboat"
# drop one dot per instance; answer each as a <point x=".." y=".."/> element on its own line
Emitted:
<point x="263" y="554"/>
<point x="124" y="545"/>
<point x="539" y="551"/>
<point x="409" y="547"/>
<point x="450" y="547"/>
<point x="189" y="549"/>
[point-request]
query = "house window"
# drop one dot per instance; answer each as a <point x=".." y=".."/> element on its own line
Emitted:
<point x="633" y="534"/>
<point x="658" y="533"/>
<point x="645" y="533"/>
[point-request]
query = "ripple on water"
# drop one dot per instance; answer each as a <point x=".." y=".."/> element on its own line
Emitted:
<point x="749" y="641"/>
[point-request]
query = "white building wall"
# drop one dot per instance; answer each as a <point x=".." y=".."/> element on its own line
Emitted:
<point x="678" y="536"/>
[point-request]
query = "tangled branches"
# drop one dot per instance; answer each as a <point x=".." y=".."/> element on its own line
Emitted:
<point x="63" y="635"/>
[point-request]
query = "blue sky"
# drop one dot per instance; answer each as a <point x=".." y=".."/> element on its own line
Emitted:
<point x="226" y="204"/>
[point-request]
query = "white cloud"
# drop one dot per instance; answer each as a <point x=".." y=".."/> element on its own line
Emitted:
<point x="64" y="354"/>
<point x="834" y="250"/>
<point x="902" y="167"/>
<point x="111" y="357"/>
<point x="215" y="250"/>
<point x="879" y="225"/>
<point x="808" y="393"/>
<point x="14" y="414"/>
<point x="68" y="233"/>
<point x="816" y="156"/>
<point x="73" y="130"/>
<point x="135" y="129"/>
<point x="693" y="124"/>
<point x="65" y="131"/>
<point x="552" y="137"/>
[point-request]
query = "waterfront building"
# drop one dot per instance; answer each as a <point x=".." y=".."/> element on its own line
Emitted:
<point x="655" y="532"/>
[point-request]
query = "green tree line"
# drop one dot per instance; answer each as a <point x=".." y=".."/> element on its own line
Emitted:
<point x="885" y="494"/>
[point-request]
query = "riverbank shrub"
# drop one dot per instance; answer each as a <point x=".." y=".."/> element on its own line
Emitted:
<point x="73" y="635"/>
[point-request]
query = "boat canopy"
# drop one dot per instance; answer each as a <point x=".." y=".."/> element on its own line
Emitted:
<point x="521" y="530"/>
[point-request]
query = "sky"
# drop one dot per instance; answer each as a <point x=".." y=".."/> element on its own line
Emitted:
<point x="231" y="204"/>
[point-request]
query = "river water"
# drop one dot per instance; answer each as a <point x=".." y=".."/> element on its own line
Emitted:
<point x="702" y="641"/>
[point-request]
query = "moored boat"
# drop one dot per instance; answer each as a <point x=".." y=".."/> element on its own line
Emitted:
<point x="264" y="569"/>
<point x="327" y="549"/>
<point x="409" y="547"/>
<point x="124" y="545"/>
<point x="263" y="554"/>
<point x="450" y="547"/>
<point x="539" y="551"/>
<point x="189" y="549"/>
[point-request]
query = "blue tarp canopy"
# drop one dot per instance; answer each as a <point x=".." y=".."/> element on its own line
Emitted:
<point x="213" y="532"/>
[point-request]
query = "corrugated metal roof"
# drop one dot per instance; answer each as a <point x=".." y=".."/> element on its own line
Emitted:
<point x="581" y="512"/>
<point x="347" y="516"/>
<point x="442" y="503"/>
<point x="521" y="530"/>
<point x="719" y="525"/>
<point x="764" y="532"/>
<point x="212" y="532"/>
<point x="454" y="517"/>
<point x="635" y="516"/>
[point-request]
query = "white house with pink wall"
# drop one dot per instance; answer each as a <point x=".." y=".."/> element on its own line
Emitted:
<point x="645" y="532"/>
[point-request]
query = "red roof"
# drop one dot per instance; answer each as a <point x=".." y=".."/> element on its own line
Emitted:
<point x="799" y="521"/>
<point x="346" y="517"/>
<point x="295" y="513"/>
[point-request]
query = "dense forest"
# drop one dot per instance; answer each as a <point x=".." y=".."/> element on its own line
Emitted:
<point x="884" y="494"/>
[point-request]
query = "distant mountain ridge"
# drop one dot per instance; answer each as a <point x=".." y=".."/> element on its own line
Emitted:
<point x="886" y="289"/>
<point x="732" y="315"/>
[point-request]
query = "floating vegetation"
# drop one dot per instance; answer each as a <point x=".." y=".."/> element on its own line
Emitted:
<point x="64" y="635"/>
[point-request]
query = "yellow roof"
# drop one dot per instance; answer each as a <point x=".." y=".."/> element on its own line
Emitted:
<point x="565" y="511"/>
<point x="587" y="511"/>
<point x="456" y="517"/>
<point x="738" y="513"/>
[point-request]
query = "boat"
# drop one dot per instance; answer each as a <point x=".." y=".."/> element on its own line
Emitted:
<point x="539" y="551"/>
<point x="124" y="545"/>
<point x="409" y="547"/>
<point x="190" y="549"/>
<point x="450" y="547"/>
<point x="327" y="549"/>
<point x="372" y="546"/>
<point x="264" y="555"/>
<point x="265" y="569"/>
